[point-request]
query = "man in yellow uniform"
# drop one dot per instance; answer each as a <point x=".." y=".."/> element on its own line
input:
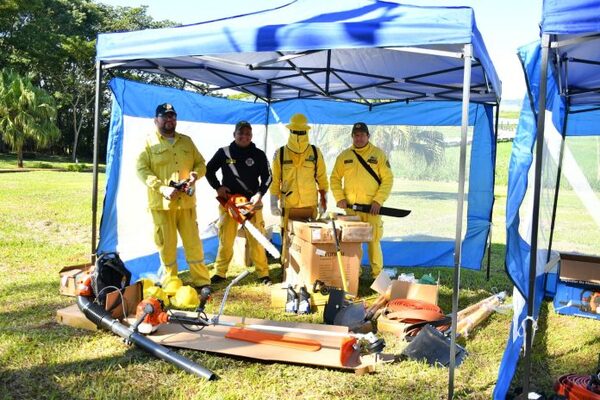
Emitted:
<point x="367" y="179"/>
<point x="299" y="173"/>
<point x="169" y="156"/>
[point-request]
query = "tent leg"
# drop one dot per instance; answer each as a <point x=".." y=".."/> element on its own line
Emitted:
<point x="539" y="153"/>
<point x="467" y="54"/>
<point x="489" y="255"/>
<point x="95" y="162"/>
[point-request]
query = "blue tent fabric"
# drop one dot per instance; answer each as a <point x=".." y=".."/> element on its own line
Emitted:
<point x="139" y="100"/>
<point x="564" y="19"/>
<point x="354" y="29"/>
<point x="571" y="17"/>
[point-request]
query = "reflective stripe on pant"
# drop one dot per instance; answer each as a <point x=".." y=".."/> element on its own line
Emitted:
<point x="227" y="231"/>
<point x="166" y="225"/>
<point x="374" y="246"/>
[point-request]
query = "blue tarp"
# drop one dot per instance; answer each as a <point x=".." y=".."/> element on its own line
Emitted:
<point x="574" y="17"/>
<point x="139" y="100"/>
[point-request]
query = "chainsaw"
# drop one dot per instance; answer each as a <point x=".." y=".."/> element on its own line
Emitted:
<point x="183" y="186"/>
<point x="242" y="210"/>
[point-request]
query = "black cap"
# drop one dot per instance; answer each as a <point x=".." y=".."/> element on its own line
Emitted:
<point x="165" y="109"/>
<point x="360" y="126"/>
<point x="242" y="124"/>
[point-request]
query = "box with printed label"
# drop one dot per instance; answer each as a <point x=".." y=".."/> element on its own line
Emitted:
<point x="578" y="286"/>
<point x="311" y="261"/>
<point x="356" y="231"/>
<point x="71" y="277"/>
<point x="312" y="232"/>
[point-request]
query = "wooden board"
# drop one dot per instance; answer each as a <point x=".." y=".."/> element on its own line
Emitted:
<point x="212" y="339"/>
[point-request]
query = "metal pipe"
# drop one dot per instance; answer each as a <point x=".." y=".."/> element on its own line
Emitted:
<point x="467" y="54"/>
<point x="95" y="162"/>
<point x="103" y="319"/>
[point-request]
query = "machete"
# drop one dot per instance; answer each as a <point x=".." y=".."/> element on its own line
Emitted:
<point x="390" y="212"/>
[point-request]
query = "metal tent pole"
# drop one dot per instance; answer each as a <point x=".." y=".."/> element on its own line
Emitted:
<point x="467" y="54"/>
<point x="539" y="153"/>
<point x="563" y="135"/>
<point x="95" y="167"/>
<point x="495" y="147"/>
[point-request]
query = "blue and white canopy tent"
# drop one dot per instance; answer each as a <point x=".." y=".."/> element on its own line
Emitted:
<point x="338" y="62"/>
<point x="562" y="72"/>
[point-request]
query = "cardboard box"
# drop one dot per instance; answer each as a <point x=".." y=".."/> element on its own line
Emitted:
<point x="132" y="295"/>
<point x="279" y="297"/>
<point x="312" y="232"/>
<point x="72" y="316"/>
<point x="71" y="277"/>
<point x="576" y="268"/>
<point x="311" y="261"/>
<point x="355" y="231"/>
<point x="414" y="291"/>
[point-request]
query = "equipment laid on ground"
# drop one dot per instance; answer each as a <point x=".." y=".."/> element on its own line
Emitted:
<point x="110" y="274"/>
<point x="183" y="186"/>
<point x="390" y="212"/>
<point x="241" y="210"/>
<point x="339" y="310"/>
<point x="352" y="343"/>
<point x="472" y="316"/>
<point x="102" y="318"/>
<point x="433" y="346"/>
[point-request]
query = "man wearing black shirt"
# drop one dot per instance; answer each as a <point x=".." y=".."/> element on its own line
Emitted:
<point x="245" y="171"/>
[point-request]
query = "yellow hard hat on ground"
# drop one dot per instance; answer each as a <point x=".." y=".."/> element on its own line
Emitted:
<point x="186" y="298"/>
<point x="171" y="284"/>
<point x="298" y="122"/>
<point x="157" y="292"/>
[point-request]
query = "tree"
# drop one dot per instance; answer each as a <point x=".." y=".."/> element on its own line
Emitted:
<point x="26" y="113"/>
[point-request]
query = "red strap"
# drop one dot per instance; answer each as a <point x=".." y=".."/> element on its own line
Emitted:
<point x="577" y="387"/>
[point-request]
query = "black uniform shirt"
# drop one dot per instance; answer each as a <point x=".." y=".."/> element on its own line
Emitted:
<point x="251" y="164"/>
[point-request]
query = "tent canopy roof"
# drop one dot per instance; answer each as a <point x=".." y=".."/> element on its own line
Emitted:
<point x="355" y="50"/>
<point x="575" y="26"/>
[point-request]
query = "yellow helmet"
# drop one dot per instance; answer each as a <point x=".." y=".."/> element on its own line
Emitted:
<point x="157" y="292"/>
<point x="171" y="284"/>
<point x="146" y="283"/>
<point x="186" y="298"/>
<point x="298" y="122"/>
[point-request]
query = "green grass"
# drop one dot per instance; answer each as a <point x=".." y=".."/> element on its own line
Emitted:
<point x="39" y="161"/>
<point x="45" y="221"/>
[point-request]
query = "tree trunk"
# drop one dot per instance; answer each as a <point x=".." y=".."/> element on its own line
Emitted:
<point x="20" y="157"/>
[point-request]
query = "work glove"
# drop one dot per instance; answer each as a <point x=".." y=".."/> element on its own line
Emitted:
<point x="168" y="192"/>
<point x="275" y="210"/>
<point x="256" y="201"/>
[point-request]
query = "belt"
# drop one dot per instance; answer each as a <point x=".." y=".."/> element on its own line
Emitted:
<point x="578" y="387"/>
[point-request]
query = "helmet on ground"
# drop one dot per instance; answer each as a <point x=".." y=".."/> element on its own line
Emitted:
<point x="146" y="282"/>
<point x="171" y="284"/>
<point x="157" y="292"/>
<point x="186" y="297"/>
<point x="298" y="122"/>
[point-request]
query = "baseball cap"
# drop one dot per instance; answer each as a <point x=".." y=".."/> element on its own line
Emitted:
<point x="165" y="108"/>
<point x="242" y="124"/>
<point x="360" y="126"/>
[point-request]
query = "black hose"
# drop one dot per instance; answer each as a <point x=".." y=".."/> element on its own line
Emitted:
<point x="103" y="319"/>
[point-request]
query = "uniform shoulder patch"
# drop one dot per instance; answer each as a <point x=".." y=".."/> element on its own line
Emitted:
<point x="348" y="161"/>
<point x="387" y="164"/>
<point x="372" y="160"/>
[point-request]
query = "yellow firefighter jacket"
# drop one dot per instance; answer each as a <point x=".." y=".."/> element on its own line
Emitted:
<point x="359" y="186"/>
<point x="299" y="174"/>
<point x="161" y="162"/>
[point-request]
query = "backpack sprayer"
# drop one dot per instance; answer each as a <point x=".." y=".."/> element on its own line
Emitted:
<point x="151" y="312"/>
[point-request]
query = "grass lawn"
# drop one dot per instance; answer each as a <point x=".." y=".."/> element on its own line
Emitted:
<point x="45" y="224"/>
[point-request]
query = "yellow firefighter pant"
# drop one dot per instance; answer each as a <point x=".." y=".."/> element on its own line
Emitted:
<point x="166" y="225"/>
<point x="227" y="231"/>
<point x="374" y="246"/>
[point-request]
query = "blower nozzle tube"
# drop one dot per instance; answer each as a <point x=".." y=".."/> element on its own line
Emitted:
<point x="103" y="319"/>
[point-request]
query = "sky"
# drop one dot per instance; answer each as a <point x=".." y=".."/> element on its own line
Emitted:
<point x="504" y="24"/>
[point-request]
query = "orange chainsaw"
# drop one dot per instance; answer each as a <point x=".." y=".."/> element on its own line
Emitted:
<point x="242" y="210"/>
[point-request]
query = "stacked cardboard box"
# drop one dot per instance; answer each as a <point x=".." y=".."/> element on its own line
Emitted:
<point x="312" y="253"/>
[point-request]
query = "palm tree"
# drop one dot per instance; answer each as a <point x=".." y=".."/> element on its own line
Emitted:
<point x="26" y="113"/>
<point x="420" y="143"/>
